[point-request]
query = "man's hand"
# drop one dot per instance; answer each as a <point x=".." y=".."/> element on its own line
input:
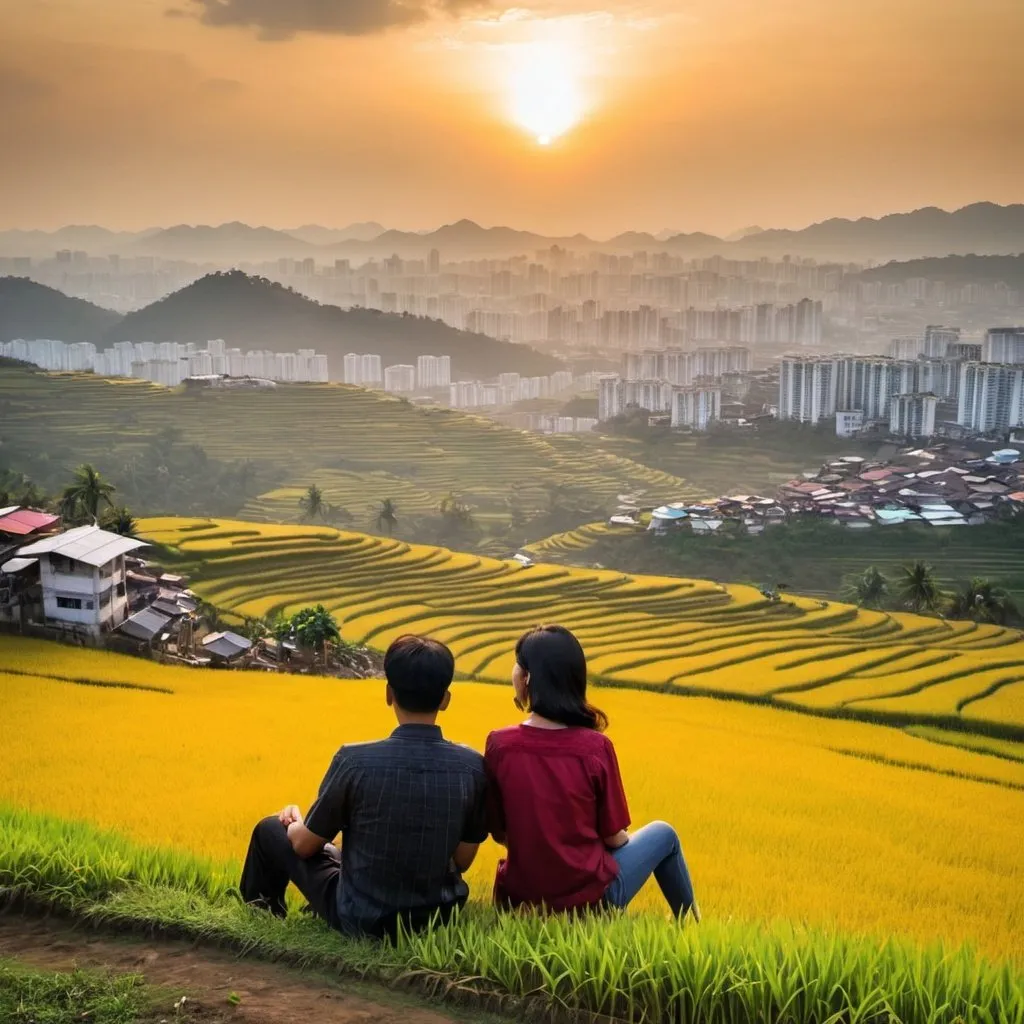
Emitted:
<point x="289" y="815"/>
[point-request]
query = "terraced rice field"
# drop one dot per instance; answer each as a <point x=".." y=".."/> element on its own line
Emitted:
<point x="360" y="447"/>
<point x="846" y="826"/>
<point x="572" y="543"/>
<point x="651" y="632"/>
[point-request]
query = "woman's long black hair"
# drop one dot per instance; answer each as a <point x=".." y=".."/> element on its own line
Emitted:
<point x="558" y="677"/>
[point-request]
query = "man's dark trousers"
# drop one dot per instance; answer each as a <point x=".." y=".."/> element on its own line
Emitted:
<point x="271" y="864"/>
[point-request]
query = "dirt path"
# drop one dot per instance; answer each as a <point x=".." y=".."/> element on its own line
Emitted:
<point x="267" y="993"/>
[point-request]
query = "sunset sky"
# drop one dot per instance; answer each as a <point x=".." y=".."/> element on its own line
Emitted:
<point x="558" y="115"/>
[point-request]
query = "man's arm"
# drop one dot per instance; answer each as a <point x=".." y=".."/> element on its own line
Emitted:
<point x="304" y="842"/>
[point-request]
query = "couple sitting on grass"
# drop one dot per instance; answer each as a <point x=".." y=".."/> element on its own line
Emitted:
<point x="413" y="809"/>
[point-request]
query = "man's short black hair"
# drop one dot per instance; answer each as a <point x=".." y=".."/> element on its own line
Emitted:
<point x="419" y="671"/>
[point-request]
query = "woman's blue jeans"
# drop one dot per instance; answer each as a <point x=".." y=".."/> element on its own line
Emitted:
<point x="652" y="850"/>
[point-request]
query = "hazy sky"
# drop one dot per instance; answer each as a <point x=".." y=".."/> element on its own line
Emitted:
<point x="559" y="115"/>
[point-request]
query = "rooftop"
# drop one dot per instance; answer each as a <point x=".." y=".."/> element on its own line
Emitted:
<point x="88" y="544"/>
<point x="23" y="521"/>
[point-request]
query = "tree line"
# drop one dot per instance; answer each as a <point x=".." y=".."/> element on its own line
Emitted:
<point x="916" y="588"/>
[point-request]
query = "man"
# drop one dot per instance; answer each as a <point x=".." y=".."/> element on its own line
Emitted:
<point x="411" y="810"/>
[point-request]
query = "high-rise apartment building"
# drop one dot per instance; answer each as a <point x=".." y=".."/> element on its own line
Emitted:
<point x="1004" y="345"/>
<point x="370" y="370"/>
<point x="696" y="407"/>
<point x="913" y="415"/>
<point x="938" y="339"/>
<point x="433" y="371"/>
<point x="991" y="397"/>
<point x="400" y="378"/>
<point x="807" y="389"/>
<point x="869" y="383"/>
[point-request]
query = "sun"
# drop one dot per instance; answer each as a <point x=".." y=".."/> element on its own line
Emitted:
<point x="544" y="93"/>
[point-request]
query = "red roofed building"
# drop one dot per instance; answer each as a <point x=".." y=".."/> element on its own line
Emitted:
<point x="25" y="522"/>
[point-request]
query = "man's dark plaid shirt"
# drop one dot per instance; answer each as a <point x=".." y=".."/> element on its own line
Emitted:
<point x="402" y="806"/>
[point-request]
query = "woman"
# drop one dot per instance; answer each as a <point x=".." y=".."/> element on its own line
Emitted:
<point x="557" y="798"/>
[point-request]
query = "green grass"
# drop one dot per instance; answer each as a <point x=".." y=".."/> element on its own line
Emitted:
<point x="297" y="435"/>
<point x="814" y="557"/>
<point x="627" y="968"/>
<point x="43" y="997"/>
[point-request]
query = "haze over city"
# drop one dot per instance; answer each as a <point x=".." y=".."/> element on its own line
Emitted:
<point x="553" y="116"/>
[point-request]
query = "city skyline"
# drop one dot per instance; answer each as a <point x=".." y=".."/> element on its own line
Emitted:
<point x="556" y="117"/>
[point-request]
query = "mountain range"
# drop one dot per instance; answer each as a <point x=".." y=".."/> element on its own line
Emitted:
<point x="983" y="228"/>
<point x="253" y="313"/>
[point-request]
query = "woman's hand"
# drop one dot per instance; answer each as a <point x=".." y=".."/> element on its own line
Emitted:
<point x="618" y="840"/>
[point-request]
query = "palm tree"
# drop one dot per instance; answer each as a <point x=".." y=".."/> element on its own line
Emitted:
<point x="869" y="589"/>
<point x="983" y="601"/>
<point x="87" y="492"/>
<point x="387" y="516"/>
<point x="917" y="587"/>
<point x="312" y="503"/>
<point x="119" y="520"/>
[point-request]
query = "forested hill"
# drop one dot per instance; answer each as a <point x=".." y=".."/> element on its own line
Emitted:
<point x="31" y="310"/>
<point x="253" y="313"/>
<point x="958" y="270"/>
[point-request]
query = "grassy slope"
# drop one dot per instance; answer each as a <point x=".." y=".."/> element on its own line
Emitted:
<point x="624" y="967"/>
<point x="812" y="560"/>
<point x="359" y="446"/>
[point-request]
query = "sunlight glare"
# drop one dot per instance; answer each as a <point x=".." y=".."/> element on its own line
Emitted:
<point x="545" y="97"/>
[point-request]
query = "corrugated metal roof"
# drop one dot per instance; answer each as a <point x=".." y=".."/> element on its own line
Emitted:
<point x="23" y="521"/>
<point x="144" y="625"/>
<point x="88" y="544"/>
<point x="17" y="564"/>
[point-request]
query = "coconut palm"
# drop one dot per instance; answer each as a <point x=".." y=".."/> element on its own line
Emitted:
<point x="119" y="520"/>
<point x="387" y="516"/>
<point x="869" y="589"/>
<point x="983" y="601"/>
<point x="917" y="588"/>
<point x="312" y="503"/>
<point x="87" y="492"/>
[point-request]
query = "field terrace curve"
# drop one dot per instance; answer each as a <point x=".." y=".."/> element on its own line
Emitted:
<point x="648" y="632"/>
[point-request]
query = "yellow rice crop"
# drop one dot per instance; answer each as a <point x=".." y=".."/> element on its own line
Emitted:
<point x="644" y="631"/>
<point x="782" y="815"/>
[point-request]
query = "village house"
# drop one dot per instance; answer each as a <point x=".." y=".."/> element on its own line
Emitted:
<point x="82" y="577"/>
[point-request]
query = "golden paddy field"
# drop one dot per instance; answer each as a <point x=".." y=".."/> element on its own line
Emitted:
<point x="689" y="636"/>
<point x="783" y="815"/>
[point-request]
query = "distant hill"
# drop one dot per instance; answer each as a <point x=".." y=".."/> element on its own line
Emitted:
<point x="228" y="243"/>
<point x="253" y="313"/>
<point x="315" y="234"/>
<point x="744" y="233"/>
<point x="90" y="238"/>
<point x="463" y="237"/>
<point x="31" y="310"/>
<point x="984" y="228"/>
<point x="955" y="270"/>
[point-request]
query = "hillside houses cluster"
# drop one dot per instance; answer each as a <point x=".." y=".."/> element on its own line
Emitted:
<point x="90" y="586"/>
<point x="944" y="485"/>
